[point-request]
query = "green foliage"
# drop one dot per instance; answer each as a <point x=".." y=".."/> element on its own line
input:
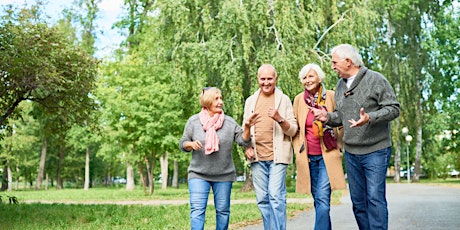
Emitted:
<point x="38" y="63"/>
<point x="83" y="212"/>
<point x="149" y="88"/>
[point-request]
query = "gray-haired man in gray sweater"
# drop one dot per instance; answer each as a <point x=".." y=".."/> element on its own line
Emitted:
<point x="366" y="103"/>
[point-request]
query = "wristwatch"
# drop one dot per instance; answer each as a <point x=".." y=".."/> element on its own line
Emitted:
<point x="281" y="121"/>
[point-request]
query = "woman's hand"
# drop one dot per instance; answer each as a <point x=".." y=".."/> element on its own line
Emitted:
<point x="252" y="120"/>
<point x="193" y="145"/>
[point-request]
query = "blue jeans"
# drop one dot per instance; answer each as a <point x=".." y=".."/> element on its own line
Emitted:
<point x="269" y="181"/>
<point x="366" y="179"/>
<point x="199" y="193"/>
<point x="321" y="192"/>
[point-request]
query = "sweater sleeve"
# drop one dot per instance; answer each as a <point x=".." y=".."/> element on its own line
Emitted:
<point x="187" y="135"/>
<point x="389" y="108"/>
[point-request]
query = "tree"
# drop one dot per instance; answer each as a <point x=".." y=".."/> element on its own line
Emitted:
<point x="39" y="64"/>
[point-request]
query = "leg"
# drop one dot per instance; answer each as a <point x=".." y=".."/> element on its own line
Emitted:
<point x="321" y="192"/>
<point x="376" y="164"/>
<point x="260" y="173"/>
<point x="277" y="195"/>
<point x="199" y="192"/>
<point x="357" y="186"/>
<point x="221" y="192"/>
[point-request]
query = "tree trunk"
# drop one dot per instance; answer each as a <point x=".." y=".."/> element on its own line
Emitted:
<point x="41" y="168"/>
<point x="59" y="182"/>
<point x="130" y="178"/>
<point x="86" y="186"/>
<point x="152" y="185"/>
<point x="397" y="159"/>
<point x="397" y="133"/>
<point x="46" y="181"/>
<point x="4" y="176"/>
<point x="418" y="155"/>
<point x="140" y="168"/>
<point x="175" y="180"/>
<point x="248" y="185"/>
<point x="149" y="174"/>
<point x="164" y="170"/>
<point x="9" y="176"/>
<point x="17" y="178"/>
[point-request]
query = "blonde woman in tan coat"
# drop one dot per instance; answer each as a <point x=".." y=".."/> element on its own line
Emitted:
<point x="317" y="147"/>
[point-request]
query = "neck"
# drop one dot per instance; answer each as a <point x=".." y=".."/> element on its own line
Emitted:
<point x="314" y="91"/>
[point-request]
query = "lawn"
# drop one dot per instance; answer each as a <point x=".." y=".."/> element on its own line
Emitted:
<point x="85" y="211"/>
<point x="79" y="209"/>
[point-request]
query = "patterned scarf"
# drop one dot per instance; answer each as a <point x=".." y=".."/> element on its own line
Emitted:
<point x="210" y="126"/>
<point x="317" y="102"/>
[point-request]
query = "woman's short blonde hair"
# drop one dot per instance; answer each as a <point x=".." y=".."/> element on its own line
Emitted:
<point x="208" y="95"/>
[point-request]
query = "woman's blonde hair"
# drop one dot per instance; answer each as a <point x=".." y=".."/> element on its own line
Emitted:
<point x="208" y="95"/>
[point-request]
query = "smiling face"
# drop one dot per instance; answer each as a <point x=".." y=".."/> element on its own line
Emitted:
<point x="216" y="105"/>
<point x="311" y="81"/>
<point x="267" y="80"/>
<point x="211" y="99"/>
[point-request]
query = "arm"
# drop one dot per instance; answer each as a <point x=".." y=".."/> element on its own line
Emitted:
<point x="186" y="143"/>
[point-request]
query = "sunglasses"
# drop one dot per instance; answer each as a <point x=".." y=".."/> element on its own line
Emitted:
<point x="204" y="89"/>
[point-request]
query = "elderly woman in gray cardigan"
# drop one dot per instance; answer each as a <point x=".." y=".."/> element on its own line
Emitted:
<point x="209" y="136"/>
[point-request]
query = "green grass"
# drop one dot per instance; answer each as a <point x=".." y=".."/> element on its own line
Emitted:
<point x="112" y="216"/>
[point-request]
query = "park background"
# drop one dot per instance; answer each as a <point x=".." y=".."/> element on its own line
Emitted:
<point x="72" y="118"/>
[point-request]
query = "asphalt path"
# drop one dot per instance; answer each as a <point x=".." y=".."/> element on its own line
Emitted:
<point x="410" y="206"/>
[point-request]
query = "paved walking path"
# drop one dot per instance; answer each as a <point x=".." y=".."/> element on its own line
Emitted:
<point x="410" y="206"/>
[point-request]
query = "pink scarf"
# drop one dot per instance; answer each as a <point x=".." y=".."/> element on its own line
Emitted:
<point x="210" y="125"/>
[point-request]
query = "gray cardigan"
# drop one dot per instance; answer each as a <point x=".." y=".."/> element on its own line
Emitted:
<point x="217" y="166"/>
<point x="370" y="90"/>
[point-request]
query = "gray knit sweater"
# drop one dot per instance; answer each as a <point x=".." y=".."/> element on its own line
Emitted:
<point x="370" y="90"/>
<point x="217" y="166"/>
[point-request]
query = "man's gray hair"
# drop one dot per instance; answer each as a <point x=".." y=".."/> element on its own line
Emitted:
<point x="345" y="51"/>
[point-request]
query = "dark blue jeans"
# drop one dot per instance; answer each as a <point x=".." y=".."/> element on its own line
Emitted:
<point x="321" y="192"/>
<point x="366" y="179"/>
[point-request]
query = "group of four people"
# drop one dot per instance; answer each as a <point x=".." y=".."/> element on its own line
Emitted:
<point x="316" y="128"/>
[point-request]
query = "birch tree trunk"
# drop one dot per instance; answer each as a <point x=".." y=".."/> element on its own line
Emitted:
<point x="86" y="186"/>
<point x="9" y="176"/>
<point x="130" y="177"/>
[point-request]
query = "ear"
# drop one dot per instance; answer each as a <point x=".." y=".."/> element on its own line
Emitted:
<point x="349" y="62"/>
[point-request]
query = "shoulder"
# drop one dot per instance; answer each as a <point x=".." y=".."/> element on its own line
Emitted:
<point x="330" y="93"/>
<point x="279" y="92"/>
<point x="230" y="120"/>
<point x="375" y="76"/>
<point x="194" y="118"/>
<point x="299" y="96"/>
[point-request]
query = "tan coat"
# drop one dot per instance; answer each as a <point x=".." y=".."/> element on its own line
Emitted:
<point x="332" y="158"/>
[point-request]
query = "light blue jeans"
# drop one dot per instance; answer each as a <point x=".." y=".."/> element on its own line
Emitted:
<point x="269" y="181"/>
<point x="367" y="182"/>
<point x="321" y="192"/>
<point x="199" y="192"/>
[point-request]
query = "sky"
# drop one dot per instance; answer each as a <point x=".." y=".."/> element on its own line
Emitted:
<point x="109" y="13"/>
